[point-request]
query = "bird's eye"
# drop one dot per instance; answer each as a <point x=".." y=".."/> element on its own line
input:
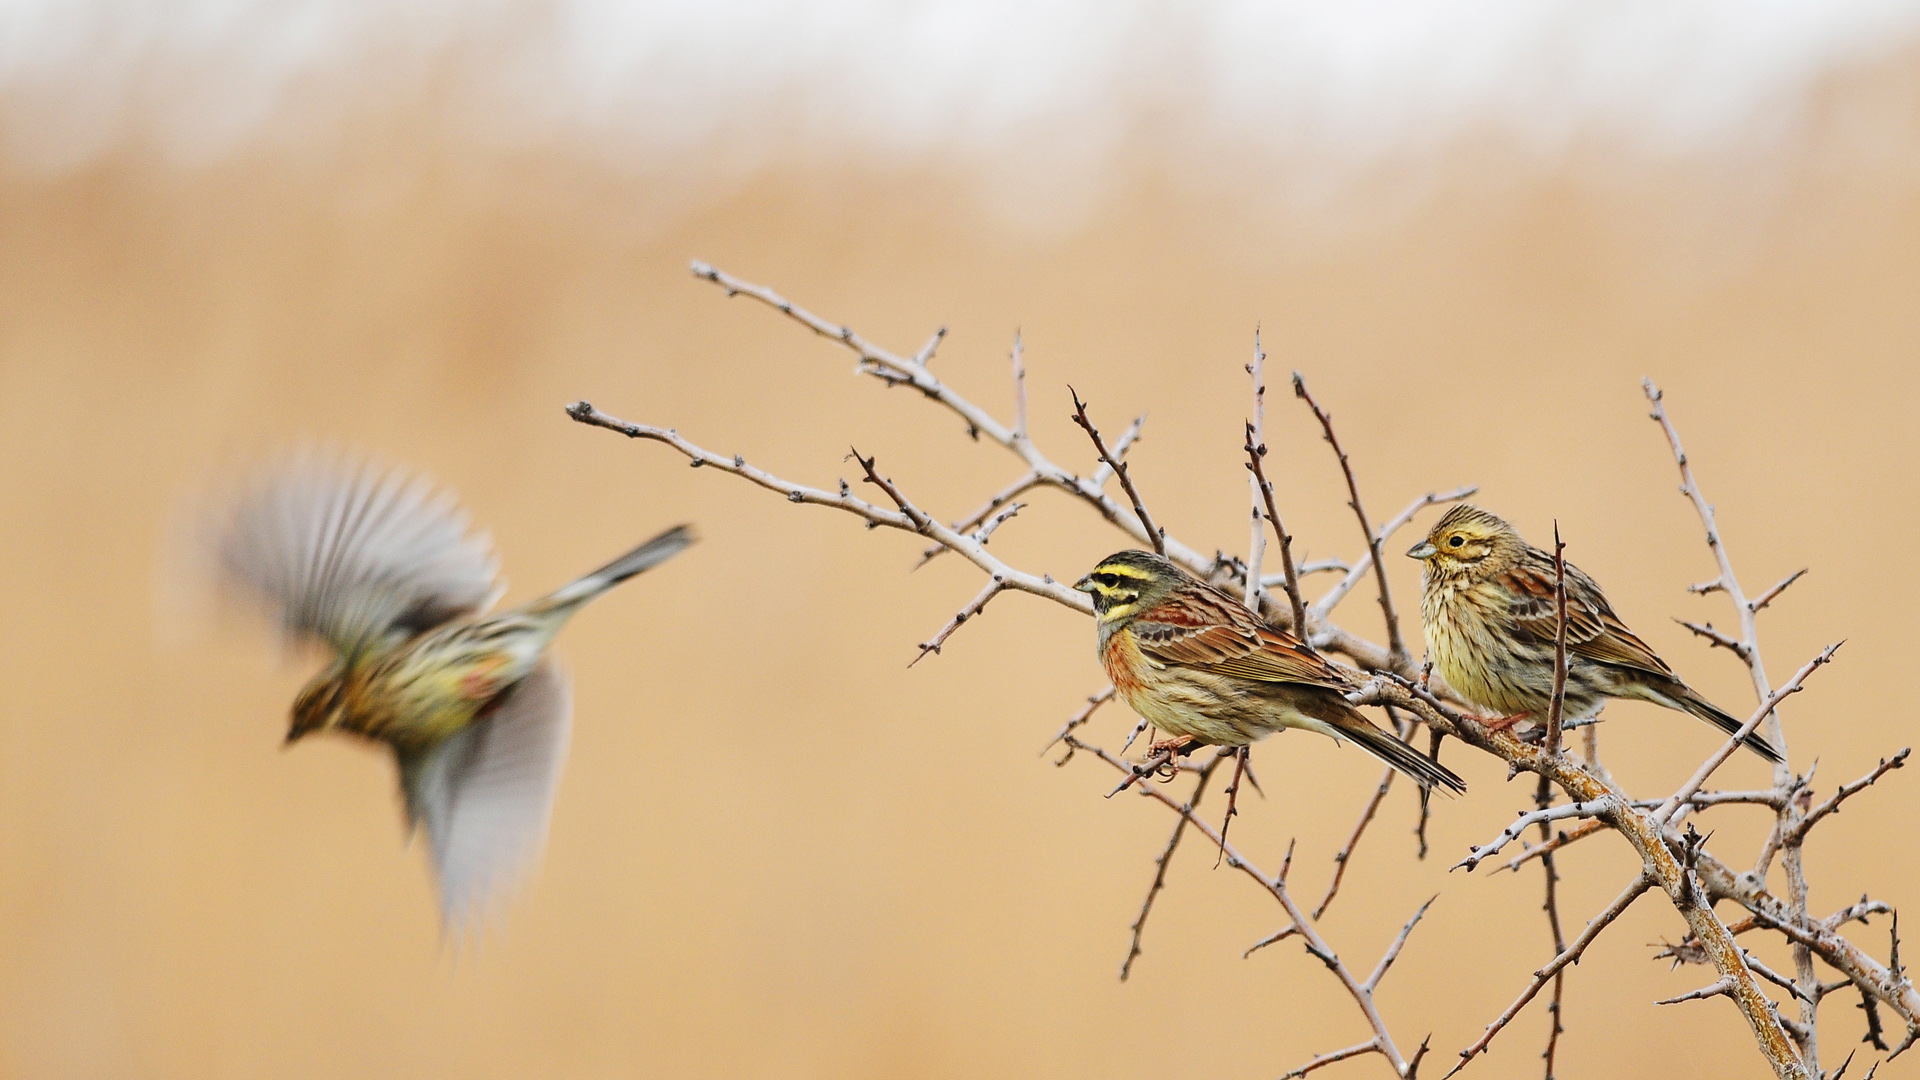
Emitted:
<point x="1109" y="580"/>
<point x="1456" y="541"/>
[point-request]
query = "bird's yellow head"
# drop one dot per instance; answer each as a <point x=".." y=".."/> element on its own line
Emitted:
<point x="1127" y="583"/>
<point x="321" y="704"/>
<point x="1468" y="541"/>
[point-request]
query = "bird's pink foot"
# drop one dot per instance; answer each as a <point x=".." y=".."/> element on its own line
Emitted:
<point x="1171" y="751"/>
<point x="1503" y="723"/>
<point x="1173" y="748"/>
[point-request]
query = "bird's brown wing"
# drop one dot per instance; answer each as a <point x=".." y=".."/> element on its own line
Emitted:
<point x="351" y="553"/>
<point x="1593" y="630"/>
<point x="1220" y="635"/>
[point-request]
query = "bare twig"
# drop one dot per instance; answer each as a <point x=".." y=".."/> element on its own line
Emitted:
<point x="1019" y="391"/>
<point x="1778" y="979"/>
<point x="1119" y="469"/>
<point x="869" y="465"/>
<point x="1104" y="472"/>
<point x="917" y="522"/>
<point x="1719" y="757"/>
<point x="1233" y="797"/>
<point x="1858" y="911"/>
<point x="1634" y="825"/>
<point x="1727" y="582"/>
<point x="1570" y="955"/>
<point x="1276" y="886"/>
<point x="1364" y="565"/>
<point x="1393" y="951"/>
<point x="1725" y="798"/>
<point x="1578" y="832"/>
<point x="1296" y="607"/>
<point x="1158" y="761"/>
<point x="974" y="520"/>
<point x="894" y="370"/>
<point x="1558" y="703"/>
<point x="1434" y="739"/>
<point x="1165" y="859"/>
<point x="974" y="607"/>
<point x="1345" y="853"/>
<point x="1798" y="831"/>
<point x="1094" y="701"/>
<point x="1256" y="448"/>
<point x="1555" y="1008"/>
<point x="1759" y="603"/>
<point x="1256" y="438"/>
<point x="1724" y="641"/>
<point x="1317" y="566"/>
<point x="1543" y="799"/>
<point x="1533" y="817"/>
<point x="986" y="531"/>
<point x="925" y="355"/>
<point x="1718" y="988"/>
<point x="1368" y="1047"/>
<point x="1274" y="938"/>
<point x="1396" y="645"/>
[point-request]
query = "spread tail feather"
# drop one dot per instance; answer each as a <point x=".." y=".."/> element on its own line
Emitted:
<point x="1682" y="697"/>
<point x="645" y="557"/>
<point x="1418" y="767"/>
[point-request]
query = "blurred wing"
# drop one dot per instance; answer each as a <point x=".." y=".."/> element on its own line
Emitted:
<point x="1593" y="630"/>
<point x="1229" y="640"/>
<point x="352" y="554"/>
<point x="484" y="795"/>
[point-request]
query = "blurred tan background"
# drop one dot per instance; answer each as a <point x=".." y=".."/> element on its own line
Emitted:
<point x="777" y="851"/>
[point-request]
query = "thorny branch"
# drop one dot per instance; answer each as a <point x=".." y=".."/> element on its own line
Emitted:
<point x="1113" y="464"/>
<point x="1676" y="864"/>
<point x="1345" y="854"/>
<point x="1256" y="444"/>
<point x="1094" y="701"/>
<point x="1165" y="859"/>
<point x="1569" y="955"/>
<point x="1791" y="807"/>
<point x="1543" y="797"/>
<point x="1396" y="646"/>
<point x="895" y="370"/>
<point x="1364" y="565"/>
<point x="1263" y="498"/>
<point x="1361" y="990"/>
<point x="1557" y="704"/>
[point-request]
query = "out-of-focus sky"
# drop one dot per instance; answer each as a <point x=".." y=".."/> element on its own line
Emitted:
<point x="420" y="230"/>
<point x="1317" y="96"/>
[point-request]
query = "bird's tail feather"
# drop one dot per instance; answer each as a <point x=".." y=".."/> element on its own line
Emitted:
<point x="1684" y="697"/>
<point x="1418" y="767"/>
<point x="645" y="557"/>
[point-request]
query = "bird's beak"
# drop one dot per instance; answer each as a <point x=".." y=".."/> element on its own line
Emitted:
<point x="1085" y="584"/>
<point x="1423" y="550"/>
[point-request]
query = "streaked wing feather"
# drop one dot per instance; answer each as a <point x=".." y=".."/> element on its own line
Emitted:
<point x="1593" y="630"/>
<point x="352" y="553"/>
<point x="484" y="796"/>
<point x="1241" y="647"/>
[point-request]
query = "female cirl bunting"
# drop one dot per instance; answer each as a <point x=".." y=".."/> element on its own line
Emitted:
<point x="378" y="567"/>
<point x="1491" y="622"/>
<point x="1195" y="663"/>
